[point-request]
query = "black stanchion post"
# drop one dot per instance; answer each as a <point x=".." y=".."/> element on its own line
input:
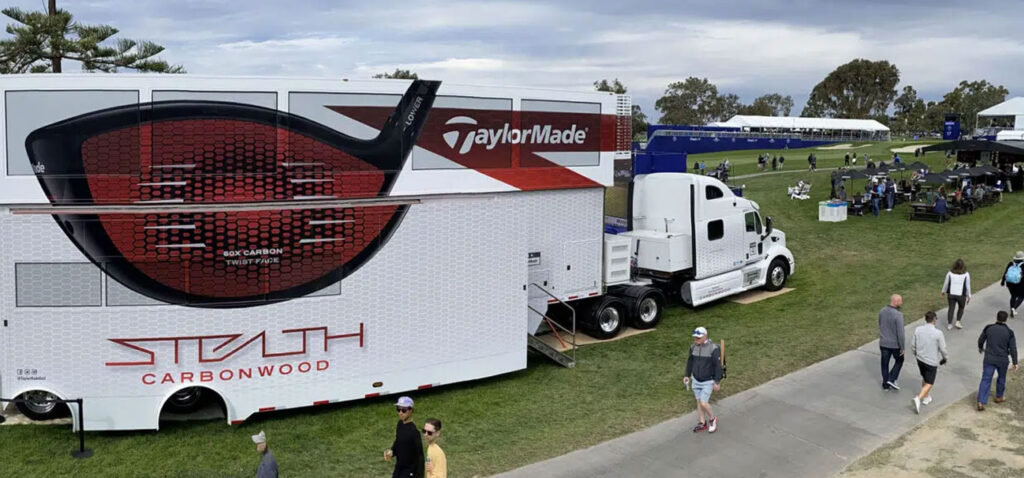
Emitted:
<point x="82" y="452"/>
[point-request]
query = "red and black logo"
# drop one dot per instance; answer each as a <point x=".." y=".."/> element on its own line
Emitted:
<point x="221" y="177"/>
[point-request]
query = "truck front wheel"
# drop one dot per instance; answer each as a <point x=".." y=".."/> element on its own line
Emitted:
<point x="778" y="272"/>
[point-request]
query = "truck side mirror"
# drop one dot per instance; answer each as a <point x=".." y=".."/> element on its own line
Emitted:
<point x="768" y="228"/>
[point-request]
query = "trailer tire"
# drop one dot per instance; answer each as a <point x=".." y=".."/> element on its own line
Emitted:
<point x="41" y="410"/>
<point x="778" y="272"/>
<point x="646" y="305"/>
<point x="186" y="400"/>
<point x="605" y="318"/>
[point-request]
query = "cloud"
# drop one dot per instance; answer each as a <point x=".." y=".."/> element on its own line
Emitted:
<point x="747" y="48"/>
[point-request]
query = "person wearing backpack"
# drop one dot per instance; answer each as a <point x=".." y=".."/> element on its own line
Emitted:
<point x="957" y="287"/>
<point x="1012" y="280"/>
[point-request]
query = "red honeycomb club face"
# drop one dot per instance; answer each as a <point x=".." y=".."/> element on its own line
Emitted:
<point x="220" y="161"/>
<point x="244" y="254"/>
<point x="232" y="161"/>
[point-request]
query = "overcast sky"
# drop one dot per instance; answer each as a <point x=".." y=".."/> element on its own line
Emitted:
<point x="748" y="48"/>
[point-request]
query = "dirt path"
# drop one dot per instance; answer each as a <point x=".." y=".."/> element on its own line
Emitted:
<point x="959" y="442"/>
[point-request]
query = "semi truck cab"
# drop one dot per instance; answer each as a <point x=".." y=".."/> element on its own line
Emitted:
<point x="693" y="236"/>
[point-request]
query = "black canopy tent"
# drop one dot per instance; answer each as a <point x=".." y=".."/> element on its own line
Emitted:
<point x="970" y="150"/>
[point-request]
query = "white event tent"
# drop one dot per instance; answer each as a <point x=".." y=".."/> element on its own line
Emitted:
<point x="847" y="128"/>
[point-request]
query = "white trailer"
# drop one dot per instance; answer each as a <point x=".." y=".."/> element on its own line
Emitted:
<point x="268" y="243"/>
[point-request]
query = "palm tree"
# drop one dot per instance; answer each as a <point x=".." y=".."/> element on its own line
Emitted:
<point x="42" y="40"/>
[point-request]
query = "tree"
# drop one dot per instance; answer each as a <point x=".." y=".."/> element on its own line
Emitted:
<point x="614" y="87"/>
<point x="725" y="107"/>
<point x="398" y="75"/>
<point x="693" y="101"/>
<point x="772" y="104"/>
<point x="43" y="40"/>
<point x="639" y="124"/>
<point x="970" y="97"/>
<point x="907" y="105"/>
<point x="639" y="118"/>
<point x="858" y="89"/>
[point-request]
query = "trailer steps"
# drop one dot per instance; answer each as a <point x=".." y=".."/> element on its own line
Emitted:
<point x="561" y="358"/>
<point x="565" y="335"/>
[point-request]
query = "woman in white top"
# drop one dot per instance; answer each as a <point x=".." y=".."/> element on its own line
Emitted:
<point x="958" y="288"/>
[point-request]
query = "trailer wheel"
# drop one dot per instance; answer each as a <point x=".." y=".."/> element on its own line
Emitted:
<point x="185" y="400"/>
<point x="38" y="409"/>
<point x="645" y="306"/>
<point x="606" y="318"/>
<point x="778" y="272"/>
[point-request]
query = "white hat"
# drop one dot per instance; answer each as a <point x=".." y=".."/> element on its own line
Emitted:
<point x="700" y="332"/>
<point x="259" y="438"/>
<point x="404" y="402"/>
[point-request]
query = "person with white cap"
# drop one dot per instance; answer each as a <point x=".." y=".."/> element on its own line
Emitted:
<point x="408" y="446"/>
<point x="1012" y="280"/>
<point x="704" y="372"/>
<point x="268" y="465"/>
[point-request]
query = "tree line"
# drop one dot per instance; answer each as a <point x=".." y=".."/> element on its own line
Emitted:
<point x="860" y="89"/>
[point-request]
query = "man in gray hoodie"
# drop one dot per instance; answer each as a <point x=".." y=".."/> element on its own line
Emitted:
<point x="929" y="345"/>
<point x="891" y="341"/>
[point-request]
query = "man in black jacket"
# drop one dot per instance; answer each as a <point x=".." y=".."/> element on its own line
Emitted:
<point x="999" y="346"/>
<point x="704" y="365"/>
<point x="408" y="446"/>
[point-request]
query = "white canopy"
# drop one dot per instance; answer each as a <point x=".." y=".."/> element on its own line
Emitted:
<point x="794" y="122"/>
<point x="1011" y="107"/>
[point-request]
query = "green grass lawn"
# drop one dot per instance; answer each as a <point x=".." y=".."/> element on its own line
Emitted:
<point x="845" y="273"/>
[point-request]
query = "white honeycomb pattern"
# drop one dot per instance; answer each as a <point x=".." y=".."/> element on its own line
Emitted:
<point x="442" y="302"/>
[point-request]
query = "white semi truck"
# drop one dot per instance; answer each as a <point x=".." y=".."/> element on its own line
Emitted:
<point x="268" y="243"/>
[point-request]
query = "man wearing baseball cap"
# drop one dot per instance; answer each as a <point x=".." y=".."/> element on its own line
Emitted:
<point x="704" y="365"/>
<point x="408" y="446"/>
<point x="268" y="465"/>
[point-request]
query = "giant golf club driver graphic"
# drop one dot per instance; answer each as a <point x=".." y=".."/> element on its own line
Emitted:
<point x="197" y="159"/>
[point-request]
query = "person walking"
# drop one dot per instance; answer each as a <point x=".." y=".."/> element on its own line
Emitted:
<point x="437" y="461"/>
<point x="1012" y="280"/>
<point x="846" y="159"/>
<point x="268" y="465"/>
<point x="957" y="287"/>
<point x="810" y="162"/>
<point x="999" y="345"/>
<point x="782" y="162"/>
<point x="891" y="341"/>
<point x="704" y="373"/>
<point x="407" y="447"/>
<point x="929" y="346"/>
<point x="775" y="162"/>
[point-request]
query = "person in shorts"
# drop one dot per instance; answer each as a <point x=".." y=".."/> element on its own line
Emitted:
<point x="929" y="346"/>
<point x="704" y="373"/>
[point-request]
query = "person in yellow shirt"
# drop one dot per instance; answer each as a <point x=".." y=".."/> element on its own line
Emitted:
<point x="437" y="462"/>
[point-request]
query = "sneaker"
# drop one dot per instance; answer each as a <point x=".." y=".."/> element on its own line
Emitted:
<point x="981" y="407"/>
<point x="926" y="400"/>
<point x="999" y="399"/>
<point x="917" y="405"/>
<point x="949" y="327"/>
<point x="958" y="325"/>
<point x="700" y="427"/>
<point x="892" y="383"/>
<point x="1013" y="312"/>
<point x="713" y="425"/>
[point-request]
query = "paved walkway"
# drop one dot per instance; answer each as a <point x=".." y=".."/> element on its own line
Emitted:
<point x="813" y="422"/>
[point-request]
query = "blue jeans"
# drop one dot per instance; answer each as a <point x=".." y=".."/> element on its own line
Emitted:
<point x="986" y="382"/>
<point x="890" y="375"/>
<point x="874" y="205"/>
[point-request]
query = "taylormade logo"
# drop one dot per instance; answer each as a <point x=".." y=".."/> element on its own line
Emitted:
<point x="490" y="138"/>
